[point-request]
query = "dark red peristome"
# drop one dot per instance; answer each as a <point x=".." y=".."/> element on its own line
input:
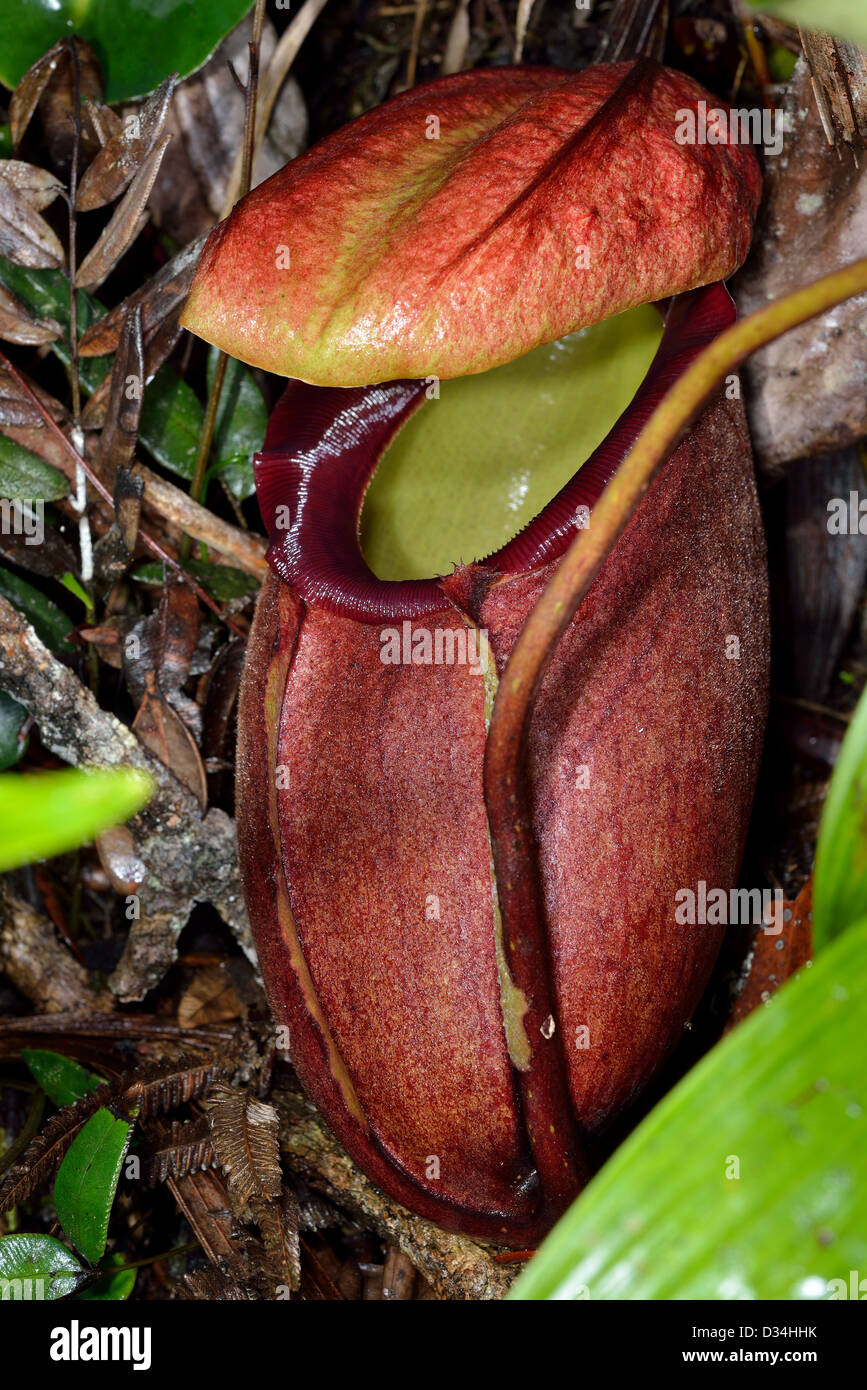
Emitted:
<point x="362" y="825"/>
<point x="323" y="445"/>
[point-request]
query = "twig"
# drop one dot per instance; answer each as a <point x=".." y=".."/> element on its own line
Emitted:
<point x="418" y="24"/>
<point x="458" y="1268"/>
<point x="281" y="61"/>
<point x="505" y="776"/>
<point x="203" y="453"/>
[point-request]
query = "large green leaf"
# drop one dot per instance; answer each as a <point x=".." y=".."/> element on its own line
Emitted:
<point x="50" y="812"/>
<point x="479" y="461"/>
<point x="37" y="1268"/>
<point x="137" y="43"/>
<point x="49" y="622"/>
<point x="87" y="1179"/>
<point x="783" y="1102"/>
<point x="840" y="877"/>
<point x="845" y="18"/>
<point x="63" y="1080"/>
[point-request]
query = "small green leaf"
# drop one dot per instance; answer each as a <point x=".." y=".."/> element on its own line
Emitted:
<point x="23" y="475"/>
<point x="37" y="1268"/>
<point x="222" y="582"/>
<point x="62" y="1080"/>
<point x="12" y="717"/>
<point x="845" y="18"/>
<point x="242" y="417"/>
<point x="747" y="1180"/>
<point x="70" y="582"/>
<point x="49" y="813"/>
<point x="50" y="623"/>
<point x="171" y="422"/>
<point x="87" y="1179"/>
<point x="840" y="876"/>
<point x="46" y="294"/>
<point x="137" y="44"/>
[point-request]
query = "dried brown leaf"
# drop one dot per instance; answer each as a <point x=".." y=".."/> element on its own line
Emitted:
<point x="25" y="237"/>
<point x="26" y="96"/>
<point x="103" y="122"/>
<point x="121" y="157"/>
<point x="278" y="1223"/>
<point x="76" y="79"/>
<point x="127" y="221"/>
<point x="166" y="643"/>
<point x="16" y="408"/>
<point x="39" y="186"/>
<point x="163" y="1086"/>
<point x="156" y="351"/>
<point x="121" y="860"/>
<point x="211" y="998"/>
<point x="162" y="296"/>
<point x="244" y="1131"/>
<point x="212" y="1286"/>
<point x="118" y="439"/>
<point x="176" y="1150"/>
<point x="18" y="326"/>
<point x="163" y="733"/>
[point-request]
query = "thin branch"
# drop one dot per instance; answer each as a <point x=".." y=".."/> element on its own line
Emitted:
<point x="203" y="452"/>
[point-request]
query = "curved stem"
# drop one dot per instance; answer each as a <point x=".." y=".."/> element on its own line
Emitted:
<point x="507" y="793"/>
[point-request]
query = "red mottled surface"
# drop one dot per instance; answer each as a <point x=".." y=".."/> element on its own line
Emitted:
<point x="382" y="253"/>
<point x="383" y="807"/>
<point x="642" y="694"/>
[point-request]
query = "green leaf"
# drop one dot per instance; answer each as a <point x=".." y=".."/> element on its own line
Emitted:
<point x="239" y="432"/>
<point x="222" y="582"/>
<point x="114" y="1288"/>
<point x="50" y="623"/>
<point x="49" y="813"/>
<point x="473" y="466"/>
<point x="46" y="294"/>
<point x="171" y="422"/>
<point x="70" y="582"/>
<point x="845" y="18"/>
<point x="25" y="476"/>
<point x="840" y="876"/>
<point x="87" y="1179"/>
<point x="783" y="1102"/>
<point x="62" y="1080"/>
<point x="37" y="1268"/>
<point x="12" y="717"/>
<point x="137" y="44"/>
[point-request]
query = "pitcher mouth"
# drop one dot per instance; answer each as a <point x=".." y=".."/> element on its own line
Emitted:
<point x="324" y="443"/>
